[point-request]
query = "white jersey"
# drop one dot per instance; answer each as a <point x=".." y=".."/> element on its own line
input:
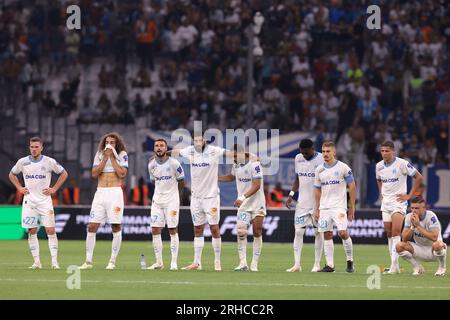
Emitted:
<point x="393" y="178"/>
<point x="333" y="180"/>
<point x="305" y="171"/>
<point x="245" y="174"/>
<point x="166" y="176"/>
<point x="204" y="170"/>
<point x="37" y="175"/>
<point x="122" y="161"/>
<point x="429" y="221"/>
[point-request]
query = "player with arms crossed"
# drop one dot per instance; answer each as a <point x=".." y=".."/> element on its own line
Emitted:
<point x="37" y="201"/>
<point x="391" y="174"/>
<point x="306" y="163"/>
<point x="424" y="226"/>
<point x="110" y="167"/>
<point x="330" y="182"/>
<point x="251" y="204"/>
<point x="168" y="176"/>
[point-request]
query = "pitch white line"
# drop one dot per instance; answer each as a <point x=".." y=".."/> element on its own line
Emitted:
<point x="312" y="285"/>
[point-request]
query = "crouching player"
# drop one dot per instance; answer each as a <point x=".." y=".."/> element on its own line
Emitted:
<point x="250" y="203"/>
<point x="424" y="226"/>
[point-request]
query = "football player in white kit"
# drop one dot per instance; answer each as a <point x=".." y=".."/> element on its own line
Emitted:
<point x="205" y="196"/>
<point x="251" y="204"/>
<point x="168" y="175"/>
<point x="306" y="163"/>
<point x="424" y="226"/>
<point x="391" y="174"/>
<point x="330" y="182"/>
<point x="110" y="167"/>
<point x="37" y="202"/>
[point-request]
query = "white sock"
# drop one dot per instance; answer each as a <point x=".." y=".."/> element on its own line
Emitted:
<point x="174" y="244"/>
<point x="298" y="245"/>
<point x="116" y="242"/>
<point x="53" y="246"/>
<point x="199" y="243"/>
<point x="33" y="243"/>
<point x="348" y="248"/>
<point x="328" y="249"/>
<point x="257" y="246"/>
<point x="394" y="254"/>
<point x="242" y="250"/>
<point x="157" y="247"/>
<point x="217" y="246"/>
<point x="390" y="246"/>
<point x="442" y="261"/>
<point x="409" y="257"/>
<point x="318" y="246"/>
<point x="90" y="245"/>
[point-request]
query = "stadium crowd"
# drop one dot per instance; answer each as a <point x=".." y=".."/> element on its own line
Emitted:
<point x="322" y="69"/>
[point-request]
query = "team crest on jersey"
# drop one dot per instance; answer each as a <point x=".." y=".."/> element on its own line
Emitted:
<point x="394" y="171"/>
<point x="246" y="171"/>
<point x="43" y="169"/>
<point x="336" y="173"/>
<point x="213" y="211"/>
<point x="168" y="169"/>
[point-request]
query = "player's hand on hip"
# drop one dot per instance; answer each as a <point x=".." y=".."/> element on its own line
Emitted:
<point x="289" y="202"/>
<point x="237" y="203"/>
<point x="351" y="214"/>
<point x="48" y="191"/>
<point x="403" y="197"/>
<point x="316" y="215"/>
<point x="24" y="190"/>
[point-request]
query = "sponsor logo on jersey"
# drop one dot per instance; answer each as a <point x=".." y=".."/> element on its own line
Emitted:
<point x="35" y="176"/>
<point x="257" y="169"/>
<point x="330" y="182"/>
<point x="163" y="178"/>
<point x="125" y="158"/>
<point x="390" y="180"/>
<point x="180" y="170"/>
<point x="306" y="174"/>
<point x="200" y="164"/>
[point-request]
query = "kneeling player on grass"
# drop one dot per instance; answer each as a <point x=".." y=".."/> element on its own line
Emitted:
<point x="169" y="180"/>
<point x="424" y="226"/>
<point x="251" y="205"/>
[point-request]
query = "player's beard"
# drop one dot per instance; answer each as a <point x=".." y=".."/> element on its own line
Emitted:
<point x="161" y="155"/>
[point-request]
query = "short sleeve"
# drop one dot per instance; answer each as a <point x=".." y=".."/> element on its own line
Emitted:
<point x="123" y="159"/>
<point x="151" y="170"/>
<point x="377" y="175"/>
<point x="347" y="174"/>
<point x="179" y="172"/>
<point x="18" y="167"/>
<point x="256" y="170"/>
<point x="434" y="223"/>
<point x="233" y="170"/>
<point x="56" y="167"/>
<point x="408" y="169"/>
<point x="317" y="182"/>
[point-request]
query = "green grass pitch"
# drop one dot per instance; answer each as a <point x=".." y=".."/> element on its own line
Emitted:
<point x="271" y="282"/>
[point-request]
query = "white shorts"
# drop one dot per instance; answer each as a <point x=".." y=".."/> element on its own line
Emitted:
<point x="162" y="214"/>
<point x="205" y="210"/>
<point x="389" y="209"/>
<point x="424" y="253"/>
<point x="304" y="217"/>
<point x="31" y="212"/>
<point x="248" y="216"/>
<point x="107" y="206"/>
<point x="328" y="216"/>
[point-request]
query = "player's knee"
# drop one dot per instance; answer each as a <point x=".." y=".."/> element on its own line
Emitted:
<point x="92" y="228"/>
<point x="401" y="246"/>
<point x="50" y="231"/>
<point x="32" y="231"/>
<point x="215" y="231"/>
<point x="343" y="234"/>
<point x="328" y="235"/>
<point x="439" y="248"/>
<point x="116" y="227"/>
<point x="172" y="231"/>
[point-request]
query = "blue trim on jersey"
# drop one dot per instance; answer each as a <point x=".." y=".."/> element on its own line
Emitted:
<point x="161" y="162"/>
<point x="259" y="178"/>
<point x="314" y="156"/>
<point x="318" y="187"/>
<point x="413" y="174"/>
<point x="407" y="226"/>
<point x="329" y="167"/>
<point x="36" y="161"/>
<point x="124" y="167"/>
<point x="349" y="179"/>
<point x="424" y="215"/>
<point x="389" y="164"/>
<point x="180" y="178"/>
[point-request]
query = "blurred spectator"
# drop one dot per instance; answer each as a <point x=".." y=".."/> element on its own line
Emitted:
<point x="71" y="195"/>
<point x="139" y="194"/>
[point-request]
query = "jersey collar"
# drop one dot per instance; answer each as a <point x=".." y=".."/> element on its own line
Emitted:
<point x="389" y="164"/>
<point x="35" y="161"/>
<point x="328" y="167"/>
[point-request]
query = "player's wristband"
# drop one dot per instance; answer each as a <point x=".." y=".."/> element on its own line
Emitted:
<point x="242" y="198"/>
<point x="291" y="194"/>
